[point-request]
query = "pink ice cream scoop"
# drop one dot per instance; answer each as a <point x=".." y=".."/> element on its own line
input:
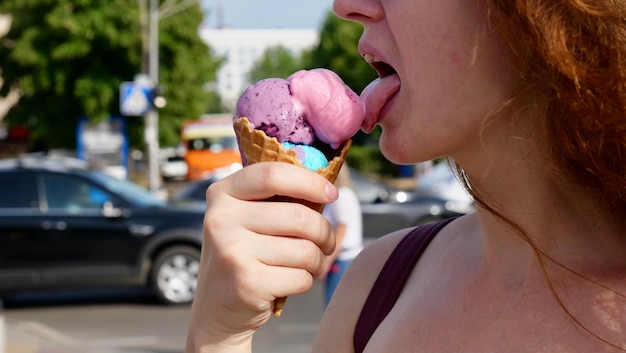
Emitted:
<point x="307" y="106"/>
<point x="334" y="111"/>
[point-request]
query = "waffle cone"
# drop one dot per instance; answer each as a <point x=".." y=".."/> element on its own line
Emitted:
<point x="255" y="146"/>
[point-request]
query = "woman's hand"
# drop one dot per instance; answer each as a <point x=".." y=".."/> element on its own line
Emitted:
<point x="255" y="251"/>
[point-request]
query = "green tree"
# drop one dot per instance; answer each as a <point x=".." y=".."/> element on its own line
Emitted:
<point x="337" y="50"/>
<point x="68" y="58"/>
<point x="186" y="65"/>
<point x="276" y="61"/>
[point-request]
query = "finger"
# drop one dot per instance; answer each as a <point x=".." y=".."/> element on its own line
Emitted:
<point x="243" y="280"/>
<point x="281" y="281"/>
<point x="227" y="216"/>
<point x="289" y="220"/>
<point x="261" y="181"/>
<point x="291" y="253"/>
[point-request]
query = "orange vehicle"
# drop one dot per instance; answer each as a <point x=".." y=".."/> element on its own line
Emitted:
<point x="211" y="147"/>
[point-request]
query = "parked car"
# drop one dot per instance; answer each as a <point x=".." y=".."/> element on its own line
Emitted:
<point x="384" y="209"/>
<point x="440" y="182"/>
<point x="387" y="209"/>
<point x="173" y="168"/>
<point x="64" y="226"/>
<point x="194" y="191"/>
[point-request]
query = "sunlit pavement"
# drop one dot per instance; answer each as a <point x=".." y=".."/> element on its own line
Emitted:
<point x="125" y="327"/>
<point x="36" y="337"/>
<point x="89" y="321"/>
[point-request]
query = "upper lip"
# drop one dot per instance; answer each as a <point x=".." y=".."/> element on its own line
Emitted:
<point x="376" y="60"/>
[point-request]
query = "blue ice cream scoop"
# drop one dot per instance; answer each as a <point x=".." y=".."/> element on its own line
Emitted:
<point x="310" y="157"/>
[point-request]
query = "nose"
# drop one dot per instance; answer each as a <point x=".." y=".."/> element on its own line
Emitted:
<point x="358" y="10"/>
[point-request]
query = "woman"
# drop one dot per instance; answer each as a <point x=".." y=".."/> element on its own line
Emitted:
<point x="527" y="99"/>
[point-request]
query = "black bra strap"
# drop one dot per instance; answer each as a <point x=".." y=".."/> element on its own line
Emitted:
<point x="391" y="280"/>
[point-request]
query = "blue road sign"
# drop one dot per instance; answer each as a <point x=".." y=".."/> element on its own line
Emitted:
<point x="135" y="99"/>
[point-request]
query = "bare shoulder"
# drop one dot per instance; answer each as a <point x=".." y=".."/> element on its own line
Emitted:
<point x="337" y="327"/>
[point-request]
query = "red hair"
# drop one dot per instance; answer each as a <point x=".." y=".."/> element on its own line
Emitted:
<point x="573" y="67"/>
<point x="572" y="57"/>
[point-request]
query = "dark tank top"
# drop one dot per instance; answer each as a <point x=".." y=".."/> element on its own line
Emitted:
<point x="391" y="280"/>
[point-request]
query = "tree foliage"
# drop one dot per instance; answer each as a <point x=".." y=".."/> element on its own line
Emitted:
<point x="276" y="61"/>
<point x="186" y="65"/>
<point x="69" y="57"/>
<point x="337" y="50"/>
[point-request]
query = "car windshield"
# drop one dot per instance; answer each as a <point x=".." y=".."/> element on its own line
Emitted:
<point x="215" y="144"/>
<point x="176" y="159"/>
<point x="129" y="190"/>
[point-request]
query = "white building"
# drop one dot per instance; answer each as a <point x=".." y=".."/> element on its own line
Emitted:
<point x="243" y="47"/>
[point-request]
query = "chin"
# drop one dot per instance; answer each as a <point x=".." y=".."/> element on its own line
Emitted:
<point x="399" y="159"/>
<point x="398" y="153"/>
<point x="403" y="150"/>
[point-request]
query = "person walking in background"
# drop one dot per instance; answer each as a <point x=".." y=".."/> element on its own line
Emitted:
<point x="344" y="215"/>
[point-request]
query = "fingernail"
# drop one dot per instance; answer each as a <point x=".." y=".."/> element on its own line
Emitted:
<point x="331" y="192"/>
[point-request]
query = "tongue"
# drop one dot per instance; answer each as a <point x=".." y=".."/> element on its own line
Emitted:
<point x="376" y="95"/>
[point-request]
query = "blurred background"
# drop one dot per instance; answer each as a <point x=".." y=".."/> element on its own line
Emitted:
<point x="115" y="116"/>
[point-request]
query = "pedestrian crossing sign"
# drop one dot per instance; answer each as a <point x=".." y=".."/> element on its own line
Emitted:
<point x="135" y="100"/>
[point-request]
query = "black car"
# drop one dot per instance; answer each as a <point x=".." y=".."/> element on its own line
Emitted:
<point x="384" y="209"/>
<point x="193" y="192"/>
<point x="65" y="226"/>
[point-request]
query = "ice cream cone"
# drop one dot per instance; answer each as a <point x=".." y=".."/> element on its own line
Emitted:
<point x="255" y="146"/>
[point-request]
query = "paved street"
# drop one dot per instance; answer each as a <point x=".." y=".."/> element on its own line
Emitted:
<point x="124" y="321"/>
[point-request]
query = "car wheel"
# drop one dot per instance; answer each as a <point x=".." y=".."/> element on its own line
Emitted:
<point x="175" y="274"/>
